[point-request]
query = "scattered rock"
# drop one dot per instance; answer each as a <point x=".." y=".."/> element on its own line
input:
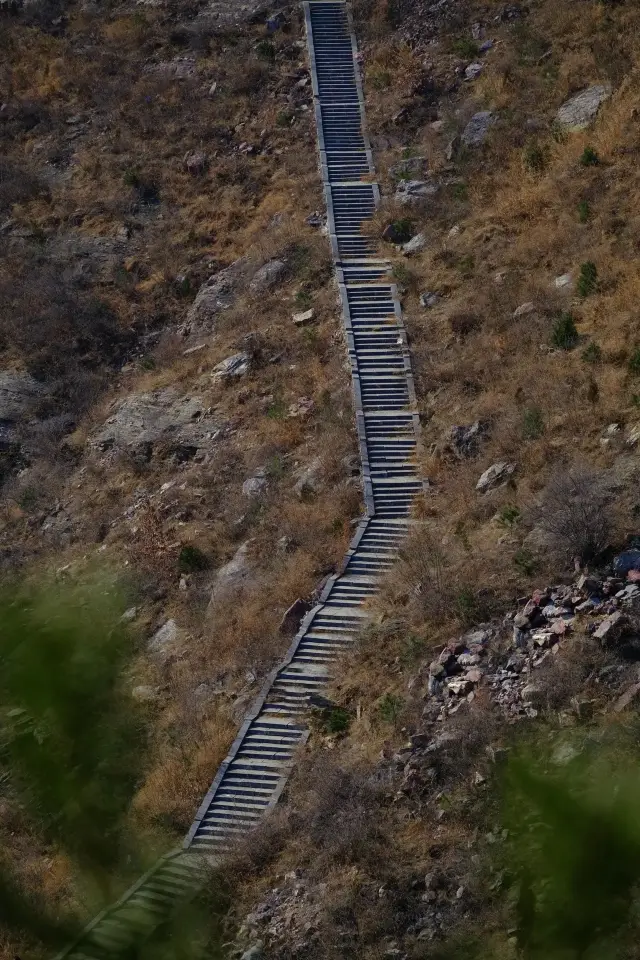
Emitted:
<point x="564" y="283"/>
<point x="301" y="319"/>
<point x="255" y="952"/>
<point x="624" y="562"/>
<point x="428" y="300"/>
<point x="129" y="615"/>
<point x="633" y="435"/>
<point x="611" y="628"/>
<point x="524" y="309"/>
<point x="578" y="112"/>
<point x="495" y="476"/>
<point x="300" y="409"/>
<point x="256" y="484"/>
<point x="476" y="131"/>
<point x="627" y="698"/>
<point x="415" y="245"/>
<point x="144" y="693"/>
<point x="268" y="276"/>
<point x="234" y="366"/>
<point x="195" y="162"/>
<point x="465" y="440"/>
<point x="473" y="70"/>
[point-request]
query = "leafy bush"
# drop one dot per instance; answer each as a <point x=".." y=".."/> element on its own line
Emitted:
<point x="525" y="561"/>
<point x="588" y="279"/>
<point x="402" y="229"/>
<point x="589" y="157"/>
<point x="192" y="559"/>
<point x="509" y="516"/>
<point x="564" y="335"/>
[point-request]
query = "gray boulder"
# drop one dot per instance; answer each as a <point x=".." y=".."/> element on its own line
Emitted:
<point x="162" y="423"/>
<point x="233" y="576"/>
<point x="578" y="112"/>
<point x="476" y="130"/>
<point x="415" y="245"/>
<point x="235" y="366"/>
<point x="496" y="475"/>
<point x="164" y="640"/>
<point x="268" y="276"/>
<point x="428" y="299"/>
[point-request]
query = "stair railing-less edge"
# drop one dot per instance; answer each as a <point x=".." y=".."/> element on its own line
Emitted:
<point x="252" y="777"/>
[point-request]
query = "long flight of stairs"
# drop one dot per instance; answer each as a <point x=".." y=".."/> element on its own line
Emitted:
<point x="251" y="779"/>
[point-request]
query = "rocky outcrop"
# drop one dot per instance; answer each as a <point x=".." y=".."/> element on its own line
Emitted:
<point x="158" y="424"/>
<point x="232" y="577"/>
<point x="218" y="293"/>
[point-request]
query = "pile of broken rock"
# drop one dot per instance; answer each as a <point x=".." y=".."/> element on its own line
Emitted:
<point x="605" y="608"/>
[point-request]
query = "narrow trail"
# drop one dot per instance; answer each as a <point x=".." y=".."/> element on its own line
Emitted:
<point x="251" y="779"/>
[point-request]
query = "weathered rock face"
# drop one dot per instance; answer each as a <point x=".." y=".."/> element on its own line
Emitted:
<point x="476" y="131"/>
<point x="161" y="423"/>
<point x="20" y="396"/>
<point x="411" y="191"/>
<point x="415" y="245"/>
<point x="222" y="15"/>
<point x="578" y="112"/>
<point x="308" y="480"/>
<point x="232" y="577"/>
<point x="218" y="293"/>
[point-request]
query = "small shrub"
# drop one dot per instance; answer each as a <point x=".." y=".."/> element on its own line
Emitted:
<point x="192" y="559"/>
<point x="277" y="410"/>
<point x="534" y="158"/>
<point x="525" y="562"/>
<point x="588" y="279"/>
<point x="265" y="50"/>
<point x="380" y="79"/>
<point x="338" y="721"/>
<point x="634" y="362"/>
<point x="589" y="157"/>
<point x="414" y="648"/>
<point x="509" y="516"/>
<point x="303" y="299"/>
<point x="283" y="118"/>
<point x="466" y="48"/>
<point x="402" y="229"/>
<point x="131" y="177"/>
<point x="390" y="707"/>
<point x="532" y="423"/>
<point x="592" y="353"/>
<point x="466" y="606"/>
<point x="460" y="192"/>
<point x="466" y="265"/>
<point x="564" y="335"/>
<point x="584" y="212"/>
<point x="635" y="399"/>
